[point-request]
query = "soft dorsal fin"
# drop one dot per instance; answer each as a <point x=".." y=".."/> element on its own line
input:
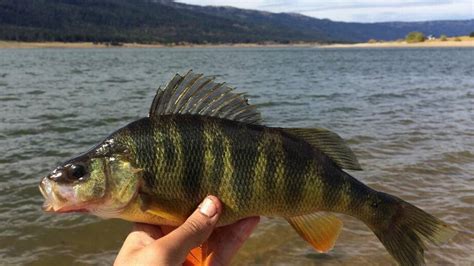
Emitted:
<point x="200" y="95"/>
<point x="330" y="144"/>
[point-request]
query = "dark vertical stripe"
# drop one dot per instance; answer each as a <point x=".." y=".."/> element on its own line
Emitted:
<point x="332" y="181"/>
<point x="358" y="194"/>
<point x="191" y="130"/>
<point x="298" y="156"/>
<point x="142" y="136"/>
<point x="217" y="149"/>
<point x="169" y="153"/>
<point x="271" y="150"/>
<point x="244" y="141"/>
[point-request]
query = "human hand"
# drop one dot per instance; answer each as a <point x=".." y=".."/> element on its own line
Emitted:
<point x="164" y="245"/>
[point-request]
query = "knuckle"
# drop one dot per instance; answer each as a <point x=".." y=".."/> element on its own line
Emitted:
<point x="193" y="226"/>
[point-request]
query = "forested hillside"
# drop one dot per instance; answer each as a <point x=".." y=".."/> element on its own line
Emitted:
<point x="148" y="21"/>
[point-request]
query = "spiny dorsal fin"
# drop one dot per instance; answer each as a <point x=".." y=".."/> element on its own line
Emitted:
<point x="330" y="144"/>
<point x="319" y="229"/>
<point x="200" y="95"/>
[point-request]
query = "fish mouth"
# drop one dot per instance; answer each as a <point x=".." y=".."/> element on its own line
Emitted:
<point x="47" y="205"/>
<point x="46" y="190"/>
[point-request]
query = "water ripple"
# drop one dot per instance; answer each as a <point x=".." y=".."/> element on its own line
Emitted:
<point x="410" y="125"/>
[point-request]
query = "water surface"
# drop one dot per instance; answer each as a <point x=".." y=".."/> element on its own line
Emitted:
<point x="407" y="113"/>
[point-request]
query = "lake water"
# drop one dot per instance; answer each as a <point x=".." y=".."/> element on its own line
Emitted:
<point x="407" y="113"/>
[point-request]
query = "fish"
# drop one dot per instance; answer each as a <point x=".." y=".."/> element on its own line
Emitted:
<point x="202" y="138"/>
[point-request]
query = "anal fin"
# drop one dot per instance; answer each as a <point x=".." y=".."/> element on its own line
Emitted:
<point x="319" y="229"/>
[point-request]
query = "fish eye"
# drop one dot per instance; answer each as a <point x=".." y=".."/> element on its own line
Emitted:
<point x="77" y="171"/>
<point x="376" y="203"/>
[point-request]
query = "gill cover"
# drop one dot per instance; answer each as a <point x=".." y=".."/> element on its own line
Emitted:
<point x="120" y="179"/>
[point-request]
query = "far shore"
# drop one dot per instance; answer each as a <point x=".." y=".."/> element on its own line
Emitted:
<point x="463" y="41"/>
<point x="85" y="45"/>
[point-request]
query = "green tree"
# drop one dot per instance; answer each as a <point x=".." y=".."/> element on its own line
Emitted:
<point x="414" y="37"/>
<point x="443" y="38"/>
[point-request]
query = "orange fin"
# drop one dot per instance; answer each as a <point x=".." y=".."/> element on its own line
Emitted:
<point x="319" y="229"/>
<point x="199" y="256"/>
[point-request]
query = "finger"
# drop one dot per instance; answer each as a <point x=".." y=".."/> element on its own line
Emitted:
<point x="167" y="229"/>
<point x="227" y="240"/>
<point x="195" y="230"/>
<point x="154" y="231"/>
<point x="142" y="235"/>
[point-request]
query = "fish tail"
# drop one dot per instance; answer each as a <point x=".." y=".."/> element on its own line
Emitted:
<point x="405" y="232"/>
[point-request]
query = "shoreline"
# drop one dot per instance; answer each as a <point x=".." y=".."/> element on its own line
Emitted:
<point x="465" y="42"/>
<point x="88" y="45"/>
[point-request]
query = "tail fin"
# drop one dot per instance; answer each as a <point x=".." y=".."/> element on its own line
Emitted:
<point x="405" y="233"/>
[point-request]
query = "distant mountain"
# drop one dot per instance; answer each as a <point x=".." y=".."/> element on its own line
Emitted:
<point x="338" y="31"/>
<point x="164" y="21"/>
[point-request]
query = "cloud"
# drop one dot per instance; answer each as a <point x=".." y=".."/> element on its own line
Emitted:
<point x="359" y="10"/>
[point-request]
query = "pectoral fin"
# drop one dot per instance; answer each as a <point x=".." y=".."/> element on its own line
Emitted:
<point x="151" y="207"/>
<point x="163" y="215"/>
<point x="319" y="229"/>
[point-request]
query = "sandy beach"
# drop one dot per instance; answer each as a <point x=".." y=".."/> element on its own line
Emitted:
<point x="463" y="41"/>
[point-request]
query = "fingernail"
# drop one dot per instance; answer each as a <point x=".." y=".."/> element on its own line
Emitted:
<point x="208" y="208"/>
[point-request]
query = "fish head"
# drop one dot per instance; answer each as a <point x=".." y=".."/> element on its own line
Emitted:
<point x="101" y="181"/>
<point x="74" y="185"/>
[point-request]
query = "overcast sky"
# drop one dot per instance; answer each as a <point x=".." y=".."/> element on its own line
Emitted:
<point x="358" y="10"/>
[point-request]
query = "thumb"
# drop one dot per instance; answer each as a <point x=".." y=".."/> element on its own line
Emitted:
<point x="196" y="229"/>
